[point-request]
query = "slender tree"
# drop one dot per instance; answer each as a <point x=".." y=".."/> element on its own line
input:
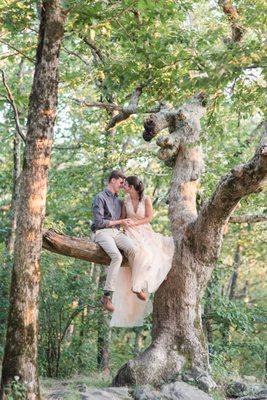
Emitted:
<point x="20" y="355"/>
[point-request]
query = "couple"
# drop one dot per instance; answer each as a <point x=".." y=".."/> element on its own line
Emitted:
<point x="125" y="225"/>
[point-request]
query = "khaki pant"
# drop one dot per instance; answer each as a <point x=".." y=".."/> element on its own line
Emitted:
<point x="111" y="240"/>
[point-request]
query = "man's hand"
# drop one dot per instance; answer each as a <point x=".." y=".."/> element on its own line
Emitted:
<point x="127" y="222"/>
<point x="124" y="222"/>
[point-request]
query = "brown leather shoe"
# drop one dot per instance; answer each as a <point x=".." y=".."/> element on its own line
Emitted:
<point x="107" y="303"/>
<point x="141" y="295"/>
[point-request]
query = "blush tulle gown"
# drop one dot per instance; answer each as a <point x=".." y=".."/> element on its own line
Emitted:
<point x="152" y="262"/>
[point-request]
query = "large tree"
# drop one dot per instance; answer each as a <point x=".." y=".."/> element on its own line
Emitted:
<point x="20" y="356"/>
<point x="177" y="336"/>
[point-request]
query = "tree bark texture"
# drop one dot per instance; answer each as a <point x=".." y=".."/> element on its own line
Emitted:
<point x="81" y="248"/>
<point x="20" y="355"/>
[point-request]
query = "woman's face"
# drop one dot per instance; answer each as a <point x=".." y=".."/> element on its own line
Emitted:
<point x="127" y="187"/>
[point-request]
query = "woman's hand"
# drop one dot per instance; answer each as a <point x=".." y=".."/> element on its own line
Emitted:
<point x="127" y="222"/>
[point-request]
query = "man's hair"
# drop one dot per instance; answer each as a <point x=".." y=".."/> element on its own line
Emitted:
<point x="116" y="175"/>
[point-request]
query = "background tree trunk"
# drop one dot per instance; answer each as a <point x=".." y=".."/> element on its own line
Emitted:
<point x="16" y="174"/>
<point x="103" y="333"/>
<point x="20" y="355"/>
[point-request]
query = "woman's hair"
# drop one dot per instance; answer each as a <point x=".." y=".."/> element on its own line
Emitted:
<point x="137" y="184"/>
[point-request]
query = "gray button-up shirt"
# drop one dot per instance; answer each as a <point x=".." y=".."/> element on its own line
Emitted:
<point x="106" y="207"/>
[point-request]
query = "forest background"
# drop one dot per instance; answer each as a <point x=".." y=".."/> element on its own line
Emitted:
<point x="173" y="50"/>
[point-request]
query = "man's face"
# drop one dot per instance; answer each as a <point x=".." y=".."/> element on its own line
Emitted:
<point x="117" y="184"/>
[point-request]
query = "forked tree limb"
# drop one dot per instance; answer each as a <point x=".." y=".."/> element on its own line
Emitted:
<point x="123" y="112"/>
<point x="243" y="180"/>
<point x="127" y="110"/>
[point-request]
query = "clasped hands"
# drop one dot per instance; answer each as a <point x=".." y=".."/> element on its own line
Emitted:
<point x="127" y="222"/>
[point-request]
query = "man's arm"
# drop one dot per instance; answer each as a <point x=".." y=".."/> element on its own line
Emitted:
<point x="98" y="215"/>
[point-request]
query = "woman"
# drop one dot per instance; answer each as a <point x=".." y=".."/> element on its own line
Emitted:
<point x="152" y="262"/>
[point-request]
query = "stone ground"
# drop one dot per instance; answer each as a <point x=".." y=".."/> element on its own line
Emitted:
<point x="81" y="388"/>
<point x="97" y="388"/>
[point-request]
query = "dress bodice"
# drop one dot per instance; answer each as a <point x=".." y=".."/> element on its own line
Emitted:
<point x="135" y="214"/>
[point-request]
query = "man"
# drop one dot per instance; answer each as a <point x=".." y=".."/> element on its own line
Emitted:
<point x="107" y="233"/>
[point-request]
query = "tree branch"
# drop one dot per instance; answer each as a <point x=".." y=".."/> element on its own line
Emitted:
<point x="114" y="107"/>
<point x="73" y="53"/>
<point x="73" y="315"/>
<point x="242" y="180"/>
<point x="13" y="105"/>
<point x="94" y="48"/>
<point x="127" y="110"/>
<point x="248" y="218"/>
<point x="97" y="104"/>
<point x="17" y="50"/>
<point x="81" y="248"/>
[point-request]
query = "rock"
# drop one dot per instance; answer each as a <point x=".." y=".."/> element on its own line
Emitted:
<point x="144" y="393"/>
<point x="58" y="394"/>
<point x="258" y="389"/>
<point x="245" y="391"/>
<point x="257" y="397"/>
<point x="202" y="379"/>
<point x="171" y="391"/>
<point x="256" y="392"/>
<point x="249" y="378"/>
<point x="236" y="389"/>
<point x="110" y="393"/>
<point x="206" y="383"/>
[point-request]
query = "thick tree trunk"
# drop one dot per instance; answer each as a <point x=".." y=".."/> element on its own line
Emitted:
<point x="177" y="337"/>
<point x="20" y="356"/>
<point x="178" y="340"/>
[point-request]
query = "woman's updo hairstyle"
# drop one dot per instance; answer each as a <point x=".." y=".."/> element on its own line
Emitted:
<point x="137" y="184"/>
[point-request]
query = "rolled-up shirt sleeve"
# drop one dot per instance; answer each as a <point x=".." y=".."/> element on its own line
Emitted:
<point x="98" y="213"/>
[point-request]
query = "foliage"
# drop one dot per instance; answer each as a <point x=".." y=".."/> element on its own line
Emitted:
<point x="16" y="390"/>
<point x="174" y="49"/>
